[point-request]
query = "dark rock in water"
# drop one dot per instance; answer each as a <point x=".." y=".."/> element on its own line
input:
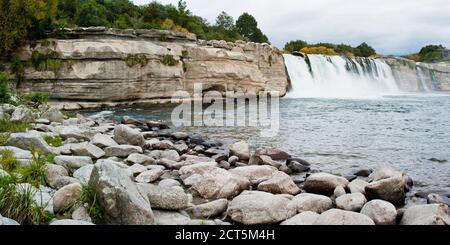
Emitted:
<point x="298" y="167"/>
<point x="164" y="134"/>
<point x="363" y="172"/>
<point x="438" y="160"/>
<point x="217" y="151"/>
<point x="150" y="135"/>
<point x="132" y="121"/>
<point x="199" y="149"/>
<point x="219" y="157"/>
<point x="157" y="124"/>
<point x="180" y="135"/>
<point x="435" y="198"/>
<point x="196" y="139"/>
<point x="274" y="153"/>
<point x="350" y="177"/>
<point x="211" y="143"/>
<point x="224" y="164"/>
<point x="298" y="160"/>
<point x="409" y="183"/>
<point x="424" y="194"/>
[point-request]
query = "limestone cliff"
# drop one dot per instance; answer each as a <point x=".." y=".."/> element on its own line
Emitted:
<point x="101" y="66"/>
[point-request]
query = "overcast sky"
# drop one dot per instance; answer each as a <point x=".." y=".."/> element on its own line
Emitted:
<point x="390" y="26"/>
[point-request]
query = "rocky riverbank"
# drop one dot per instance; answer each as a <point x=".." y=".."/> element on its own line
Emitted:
<point x="142" y="172"/>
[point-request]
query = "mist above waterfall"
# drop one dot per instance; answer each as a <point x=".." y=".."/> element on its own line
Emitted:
<point x="339" y="77"/>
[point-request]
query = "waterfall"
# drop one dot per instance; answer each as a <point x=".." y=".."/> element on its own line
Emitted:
<point x="422" y="78"/>
<point x="339" y="77"/>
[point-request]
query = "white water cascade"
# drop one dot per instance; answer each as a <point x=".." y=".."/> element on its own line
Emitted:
<point x="421" y="76"/>
<point x="339" y="77"/>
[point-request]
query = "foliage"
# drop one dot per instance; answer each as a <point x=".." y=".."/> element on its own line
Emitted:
<point x="95" y="210"/>
<point x="55" y="141"/>
<point x="46" y="62"/>
<point x="8" y="161"/>
<point x="247" y="26"/>
<point x="318" y="50"/>
<point x="363" y="50"/>
<point x="414" y="57"/>
<point x="35" y="173"/>
<point x="17" y="68"/>
<point x="432" y="53"/>
<point x="36" y="98"/>
<point x="295" y="45"/>
<point x="136" y="59"/>
<point x="168" y="60"/>
<point x="12" y="127"/>
<point x="5" y="93"/>
<point x="4" y="137"/>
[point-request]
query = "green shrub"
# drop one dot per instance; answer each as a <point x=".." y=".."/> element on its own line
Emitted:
<point x="3" y="138"/>
<point x="46" y="62"/>
<point x="8" y="161"/>
<point x="136" y="59"/>
<point x="168" y="60"/>
<point x="5" y="93"/>
<point x="6" y="126"/>
<point x="35" y="173"/>
<point x="95" y="210"/>
<point x="55" y="141"/>
<point x="36" y="98"/>
<point x="17" y="68"/>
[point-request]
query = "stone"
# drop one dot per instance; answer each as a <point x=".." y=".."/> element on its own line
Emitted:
<point x="430" y="214"/>
<point x="339" y="191"/>
<point x="256" y="208"/>
<point x="224" y="165"/>
<point x="240" y="149"/>
<point x="149" y="176"/>
<point x="156" y="144"/>
<point x="274" y="153"/>
<point x="103" y="141"/>
<point x="7" y="221"/>
<point x="342" y="217"/>
<point x="311" y="202"/>
<point x="125" y="135"/>
<point x="142" y="159"/>
<point x="53" y="172"/>
<point x="208" y="210"/>
<point x="180" y="136"/>
<point x="17" y="152"/>
<point x="119" y="196"/>
<point x="137" y="169"/>
<point x="168" y="154"/>
<point x="166" y="198"/>
<point x="181" y="147"/>
<point x="122" y="150"/>
<point x="436" y="198"/>
<point x="22" y="114"/>
<point x="233" y="159"/>
<point x="351" y="202"/>
<point x="62" y="181"/>
<point x="168" y="183"/>
<point x="81" y="213"/>
<point x="279" y="183"/>
<point x="304" y="218"/>
<point x="72" y="163"/>
<point x="87" y="149"/>
<point x="156" y="124"/>
<point x="381" y="212"/>
<point x="83" y="174"/>
<point x="132" y="121"/>
<point x="297" y="167"/>
<point x="70" y="222"/>
<point x="29" y="140"/>
<point x="170" y="218"/>
<point x="255" y="174"/>
<point x="266" y="160"/>
<point x="324" y="183"/>
<point x="363" y="172"/>
<point x="383" y="172"/>
<point x="66" y="197"/>
<point x="358" y="186"/>
<point x="390" y="189"/>
<point x="211" y="182"/>
<point x="53" y="114"/>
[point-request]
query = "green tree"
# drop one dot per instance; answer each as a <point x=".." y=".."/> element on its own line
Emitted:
<point x="364" y="50"/>
<point x="295" y="45"/>
<point x="247" y="26"/>
<point x="225" y="21"/>
<point x="431" y="53"/>
<point x="91" y="13"/>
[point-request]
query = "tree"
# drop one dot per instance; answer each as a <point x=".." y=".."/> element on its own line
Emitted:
<point x="431" y="53"/>
<point x="364" y="50"/>
<point x="247" y="26"/>
<point x="295" y="45"/>
<point x="91" y="13"/>
<point x="225" y="21"/>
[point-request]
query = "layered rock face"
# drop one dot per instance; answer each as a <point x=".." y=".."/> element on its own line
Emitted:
<point x="101" y="65"/>
<point x="412" y="76"/>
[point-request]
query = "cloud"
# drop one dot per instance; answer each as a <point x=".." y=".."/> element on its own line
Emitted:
<point x="391" y="26"/>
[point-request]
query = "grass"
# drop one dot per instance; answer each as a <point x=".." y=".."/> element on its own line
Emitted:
<point x="35" y="173"/>
<point x="168" y="60"/>
<point x="95" y="210"/>
<point x="46" y="62"/>
<point x="38" y="98"/>
<point x="136" y="59"/>
<point x="55" y="141"/>
<point x="3" y="138"/>
<point x="8" y="161"/>
<point x="6" y="126"/>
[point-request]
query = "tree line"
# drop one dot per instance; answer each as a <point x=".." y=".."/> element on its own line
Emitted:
<point x="33" y="19"/>
<point x="362" y="50"/>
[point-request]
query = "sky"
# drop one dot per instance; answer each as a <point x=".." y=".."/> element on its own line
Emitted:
<point x="391" y="26"/>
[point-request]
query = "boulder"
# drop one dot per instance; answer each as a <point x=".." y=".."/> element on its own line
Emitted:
<point x="137" y="169"/>
<point x="339" y="191"/>
<point x="66" y="197"/>
<point x="29" y="140"/>
<point x="81" y="213"/>
<point x="390" y="189"/>
<point x="83" y="174"/>
<point x="256" y="207"/>
<point x="324" y="183"/>
<point x="87" y="149"/>
<point x="72" y="163"/>
<point x="122" y="150"/>
<point x="62" y="181"/>
<point x="125" y="135"/>
<point x="169" y="183"/>
<point x="70" y="222"/>
<point x="311" y="202"/>
<point x="342" y="217"/>
<point x="240" y="149"/>
<point x="274" y="153"/>
<point x="53" y="172"/>
<point x="166" y="198"/>
<point x="297" y="167"/>
<point x="17" y="152"/>
<point x="170" y="218"/>
<point x="383" y="172"/>
<point x="103" y="141"/>
<point x="142" y="159"/>
<point x="255" y="173"/>
<point x="381" y="212"/>
<point x="73" y="132"/>
<point x="304" y="218"/>
<point x="150" y="176"/>
<point x="7" y="221"/>
<point x="208" y="210"/>
<point x="358" y="186"/>
<point x="279" y="183"/>
<point x="351" y="202"/>
<point x="430" y="214"/>
<point x="22" y="114"/>
<point x="436" y="198"/>
<point x="180" y="135"/>
<point x="53" y="114"/>
<point x="119" y="196"/>
<point x="167" y="154"/>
